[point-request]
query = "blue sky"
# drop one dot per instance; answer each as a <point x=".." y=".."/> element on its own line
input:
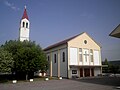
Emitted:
<point x="55" y="20"/>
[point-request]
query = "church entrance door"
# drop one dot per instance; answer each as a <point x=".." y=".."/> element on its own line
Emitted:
<point x="81" y="72"/>
<point x="92" y="71"/>
<point x="87" y="72"/>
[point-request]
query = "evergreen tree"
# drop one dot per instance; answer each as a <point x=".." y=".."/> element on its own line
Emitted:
<point x="105" y="68"/>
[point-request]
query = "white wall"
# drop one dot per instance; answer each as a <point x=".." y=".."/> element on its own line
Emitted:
<point x="74" y="68"/>
<point x="91" y="63"/>
<point x="96" y="57"/>
<point x="73" y="56"/>
<point x="48" y="71"/>
<point x="97" y="71"/>
<point x="63" y="65"/>
<point x="24" y="32"/>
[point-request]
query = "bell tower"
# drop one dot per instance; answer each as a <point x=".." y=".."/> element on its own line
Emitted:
<point x="24" y="27"/>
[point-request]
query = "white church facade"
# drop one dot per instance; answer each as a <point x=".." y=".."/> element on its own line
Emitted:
<point x="78" y="56"/>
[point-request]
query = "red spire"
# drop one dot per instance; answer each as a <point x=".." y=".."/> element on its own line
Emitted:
<point x="25" y="14"/>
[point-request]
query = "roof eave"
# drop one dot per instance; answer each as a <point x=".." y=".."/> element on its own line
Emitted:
<point x="113" y="34"/>
<point x="54" y="46"/>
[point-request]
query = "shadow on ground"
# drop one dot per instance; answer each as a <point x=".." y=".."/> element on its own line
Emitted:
<point x="111" y="81"/>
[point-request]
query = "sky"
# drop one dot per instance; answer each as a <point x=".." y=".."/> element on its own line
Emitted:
<point x="54" y="20"/>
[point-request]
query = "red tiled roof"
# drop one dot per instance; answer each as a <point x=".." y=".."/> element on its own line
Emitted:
<point x="25" y="14"/>
<point x="61" y="42"/>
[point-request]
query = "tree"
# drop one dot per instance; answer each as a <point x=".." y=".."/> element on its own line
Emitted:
<point x="105" y="68"/>
<point x="6" y="61"/>
<point x="113" y="68"/>
<point x="106" y="61"/>
<point x="28" y="57"/>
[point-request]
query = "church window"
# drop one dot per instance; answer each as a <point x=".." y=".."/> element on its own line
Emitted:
<point x="80" y="49"/>
<point x="91" y="51"/>
<point x="26" y="25"/>
<point x="91" y="55"/>
<point x="86" y="56"/>
<point x="63" y="55"/>
<point x="80" y="54"/>
<point x="80" y="57"/>
<point x="74" y="71"/>
<point x="54" y="58"/>
<point x="23" y="24"/>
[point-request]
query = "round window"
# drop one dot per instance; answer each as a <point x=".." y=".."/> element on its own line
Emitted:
<point x="85" y="41"/>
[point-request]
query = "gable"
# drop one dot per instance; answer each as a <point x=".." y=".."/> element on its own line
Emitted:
<point x="83" y="41"/>
<point x="76" y="41"/>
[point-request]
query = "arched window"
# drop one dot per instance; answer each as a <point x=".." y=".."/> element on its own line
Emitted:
<point x="80" y="54"/>
<point x="23" y="24"/>
<point x="54" y="58"/>
<point x="26" y="25"/>
<point x="63" y="56"/>
<point x="91" y="55"/>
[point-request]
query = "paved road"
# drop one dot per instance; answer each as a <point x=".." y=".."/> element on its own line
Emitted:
<point x="110" y="81"/>
<point x="64" y="84"/>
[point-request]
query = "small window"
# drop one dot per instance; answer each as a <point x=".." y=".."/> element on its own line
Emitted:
<point x="91" y="55"/>
<point x="80" y="54"/>
<point x="74" y="71"/>
<point x="54" y="58"/>
<point x="26" y="25"/>
<point x="80" y="49"/>
<point x="63" y="56"/>
<point x="91" y="51"/>
<point x="85" y="41"/>
<point x="23" y="24"/>
<point x="80" y="57"/>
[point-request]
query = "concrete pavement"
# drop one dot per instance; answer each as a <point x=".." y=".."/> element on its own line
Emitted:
<point x="64" y="84"/>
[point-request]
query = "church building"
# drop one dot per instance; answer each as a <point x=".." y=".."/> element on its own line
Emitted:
<point x="24" y="27"/>
<point x="78" y="56"/>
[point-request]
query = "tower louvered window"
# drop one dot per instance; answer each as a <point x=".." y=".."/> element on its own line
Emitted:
<point x="26" y="25"/>
<point x="23" y="24"/>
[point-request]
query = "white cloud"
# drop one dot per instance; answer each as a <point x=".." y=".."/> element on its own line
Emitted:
<point x="11" y="5"/>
